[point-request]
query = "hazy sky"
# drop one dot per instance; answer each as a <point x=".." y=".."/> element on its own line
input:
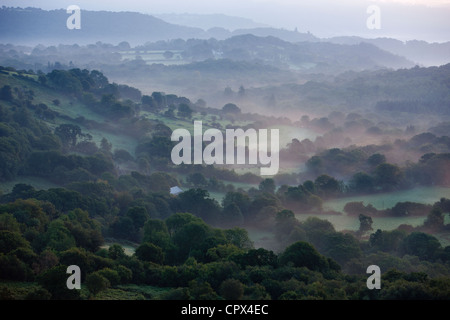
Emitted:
<point x="403" y="19"/>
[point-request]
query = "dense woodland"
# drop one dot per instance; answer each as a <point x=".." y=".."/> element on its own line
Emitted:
<point x="192" y="246"/>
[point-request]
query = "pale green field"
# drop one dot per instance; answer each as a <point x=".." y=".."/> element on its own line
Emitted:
<point x="118" y="140"/>
<point x="128" y="247"/>
<point x="155" y="56"/>
<point x="263" y="239"/>
<point x="344" y="222"/>
<point x="425" y="195"/>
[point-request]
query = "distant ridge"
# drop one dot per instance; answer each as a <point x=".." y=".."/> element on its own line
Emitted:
<point x="209" y="21"/>
<point x="418" y="51"/>
<point x="34" y="26"/>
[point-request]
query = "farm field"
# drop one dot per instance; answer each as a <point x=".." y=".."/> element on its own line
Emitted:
<point x="345" y="222"/>
<point x="128" y="246"/>
<point x="425" y="195"/>
<point x="155" y="56"/>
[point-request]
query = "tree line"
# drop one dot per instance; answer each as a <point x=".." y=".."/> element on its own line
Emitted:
<point x="194" y="260"/>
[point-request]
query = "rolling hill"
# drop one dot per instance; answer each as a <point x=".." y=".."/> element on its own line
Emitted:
<point x="34" y="26"/>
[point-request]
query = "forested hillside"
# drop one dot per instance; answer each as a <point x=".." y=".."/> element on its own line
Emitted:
<point x="88" y="165"/>
<point x="33" y="25"/>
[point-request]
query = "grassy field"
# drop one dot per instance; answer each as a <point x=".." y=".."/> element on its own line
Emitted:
<point x="128" y="246"/>
<point x="425" y="195"/>
<point x="148" y="292"/>
<point x="118" y="140"/>
<point x="155" y="56"/>
<point x="131" y="292"/>
<point x="17" y="290"/>
<point x="344" y="222"/>
<point x="262" y="239"/>
<point x="69" y="107"/>
<point x="20" y="290"/>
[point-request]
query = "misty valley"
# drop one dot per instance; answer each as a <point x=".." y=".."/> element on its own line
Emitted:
<point x="196" y="166"/>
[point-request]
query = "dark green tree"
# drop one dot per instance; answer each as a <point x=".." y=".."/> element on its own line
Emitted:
<point x="327" y="185"/>
<point x="365" y="223"/>
<point x="376" y="159"/>
<point x="116" y="252"/>
<point x="361" y="182"/>
<point x="420" y="244"/>
<point x="160" y="99"/>
<point x="139" y="215"/>
<point x="184" y="111"/>
<point x="150" y="253"/>
<point x="267" y="185"/>
<point x="68" y="133"/>
<point x="10" y="241"/>
<point x="285" y="223"/>
<point x="197" y="180"/>
<point x="231" y="289"/>
<point x="435" y="220"/>
<point x="123" y="228"/>
<point x="258" y="257"/>
<point x="156" y="231"/>
<point x="239" y="237"/>
<point x="105" y="145"/>
<point x="111" y="275"/>
<point x="6" y="93"/>
<point x="388" y="176"/>
<point x="231" y="108"/>
<point x="96" y="283"/>
<point x="303" y="254"/>
<point x="201" y="290"/>
<point x="54" y="281"/>
<point x="189" y="238"/>
<point x="232" y="216"/>
<point x="178" y="220"/>
<point x="59" y="237"/>
<point x="341" y="247"/>
<point x="240" y="199"/>
<point x="65" y="81"/>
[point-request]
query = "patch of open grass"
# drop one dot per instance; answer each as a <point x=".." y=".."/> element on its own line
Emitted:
<point x="155" y="56"/>
<point x="128" y="246"/>
<point x="16" y="290"/>
<point x="425" y="195"/>
<point x="149" y="292"/>
<point x="117" y="294"/>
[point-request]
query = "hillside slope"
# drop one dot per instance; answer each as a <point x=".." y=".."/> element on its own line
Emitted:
<point x="32" y="25"/>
